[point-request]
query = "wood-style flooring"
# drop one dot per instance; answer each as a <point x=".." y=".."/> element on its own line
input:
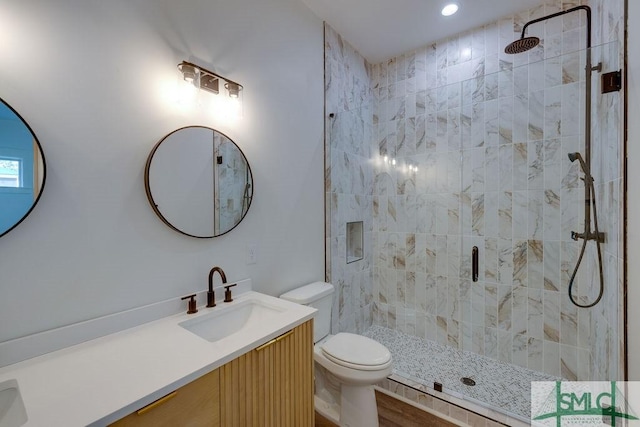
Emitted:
<point x="323" y="422"/>
<point x="396" y="413"/>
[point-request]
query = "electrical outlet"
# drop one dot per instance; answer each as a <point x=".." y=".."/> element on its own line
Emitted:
<point x="252" y="253"/>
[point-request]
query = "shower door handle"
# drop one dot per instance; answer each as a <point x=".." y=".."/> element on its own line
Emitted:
<point x="474" y="264"/>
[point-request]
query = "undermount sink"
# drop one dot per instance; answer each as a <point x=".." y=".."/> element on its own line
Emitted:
<point x="12" y="410"/>
<point x="226" y="321"/>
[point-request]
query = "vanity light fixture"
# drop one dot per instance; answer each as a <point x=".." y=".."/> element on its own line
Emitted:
<point x="208" y="80"/>
<point x="233" y="89"/>
<point x="189" y="72"/>
<point x="210" y="83"/>
<point x="449" y="9"/>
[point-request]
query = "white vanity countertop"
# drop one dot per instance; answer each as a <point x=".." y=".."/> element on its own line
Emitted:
<point x="102" y="380"/>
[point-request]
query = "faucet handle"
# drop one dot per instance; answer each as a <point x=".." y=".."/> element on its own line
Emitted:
<point x="227" y="292"/>
<point x="192" y="303"/>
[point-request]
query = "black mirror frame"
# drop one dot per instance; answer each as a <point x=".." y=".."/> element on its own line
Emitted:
<point x="153" y="204"/>
<point x="44" y="169"/>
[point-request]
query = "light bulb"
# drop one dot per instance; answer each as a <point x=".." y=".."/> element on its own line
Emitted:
<point x="189" y="72"/>
<point x="186" y="93"/>
<point x="233" y="89"/>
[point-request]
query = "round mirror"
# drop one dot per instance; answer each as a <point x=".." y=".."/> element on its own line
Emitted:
<point x="22" y="169"/>
<point x="199" y="182"/>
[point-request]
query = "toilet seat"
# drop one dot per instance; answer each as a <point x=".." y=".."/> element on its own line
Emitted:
<point x="356" y="352"/>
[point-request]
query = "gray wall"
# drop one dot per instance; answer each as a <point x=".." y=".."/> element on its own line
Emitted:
<point x="94" y="80"/>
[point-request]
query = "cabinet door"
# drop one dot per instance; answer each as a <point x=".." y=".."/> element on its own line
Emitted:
<point x="271" y="386"/>
<point x="195" y="405"/>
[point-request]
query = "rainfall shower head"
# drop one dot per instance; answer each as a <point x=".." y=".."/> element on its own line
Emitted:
<point x="522" y="45"/>
<point x="527" y="43"/>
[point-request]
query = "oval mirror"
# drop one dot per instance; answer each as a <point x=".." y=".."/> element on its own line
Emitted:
<point x="199" y="182"/>
<point x="22" y="169"/>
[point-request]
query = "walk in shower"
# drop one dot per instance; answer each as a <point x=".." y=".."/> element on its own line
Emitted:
<point x="456" y="146"/>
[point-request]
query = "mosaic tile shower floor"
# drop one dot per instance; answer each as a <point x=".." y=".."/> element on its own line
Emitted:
<point x="501" y="386"/>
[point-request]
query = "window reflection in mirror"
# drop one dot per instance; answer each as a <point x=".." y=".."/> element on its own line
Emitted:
<point x="22" y="169"/>
<point x="10" y="172"/>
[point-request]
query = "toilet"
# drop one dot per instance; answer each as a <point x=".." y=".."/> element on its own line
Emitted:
<point x="351" y="363"/>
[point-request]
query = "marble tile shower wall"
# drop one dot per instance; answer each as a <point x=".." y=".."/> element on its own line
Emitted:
<point x="489" y="134"/>
<point x="349" y="180"/>
<point x="608" y="358"/>
<point x="230" y="185"/>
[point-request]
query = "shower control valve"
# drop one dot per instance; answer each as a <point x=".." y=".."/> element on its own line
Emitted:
<point x="600" y="237"/>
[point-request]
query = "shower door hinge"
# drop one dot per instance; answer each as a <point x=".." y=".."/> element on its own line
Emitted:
<point x="612" y="82"/>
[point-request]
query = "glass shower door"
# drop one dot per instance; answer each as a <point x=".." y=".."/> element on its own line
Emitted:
<point x="490" y="169"/>
<point x="521" y="196"/>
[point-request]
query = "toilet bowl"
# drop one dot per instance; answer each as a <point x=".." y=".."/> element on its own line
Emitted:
<point x="354" y="359"/>
<point x="355" y="362"/>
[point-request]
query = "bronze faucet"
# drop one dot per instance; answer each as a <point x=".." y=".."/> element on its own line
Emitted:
<point x="211" y="298"/>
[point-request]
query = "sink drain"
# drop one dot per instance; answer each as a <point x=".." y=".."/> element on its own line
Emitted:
<point x="467" y="381"/>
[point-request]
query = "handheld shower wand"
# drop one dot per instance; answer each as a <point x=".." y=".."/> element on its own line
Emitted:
<point x="576" y="156"/>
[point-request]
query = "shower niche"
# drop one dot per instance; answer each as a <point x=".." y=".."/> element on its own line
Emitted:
<point x="355" y="242"/>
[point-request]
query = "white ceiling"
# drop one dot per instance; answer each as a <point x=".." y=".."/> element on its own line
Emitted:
<point x="382" y="29"/>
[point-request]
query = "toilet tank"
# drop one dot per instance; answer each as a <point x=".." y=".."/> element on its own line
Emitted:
<point x="318" y="295"/>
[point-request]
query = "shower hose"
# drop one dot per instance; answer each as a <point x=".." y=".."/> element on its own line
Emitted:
<point x="587" y="227"/>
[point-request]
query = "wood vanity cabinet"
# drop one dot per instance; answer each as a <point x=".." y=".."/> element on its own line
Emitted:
<point x="195" y="404"/>
<point x="270" y="386"/>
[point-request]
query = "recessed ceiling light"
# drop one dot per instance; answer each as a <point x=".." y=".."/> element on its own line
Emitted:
<point x="449" y="9"/>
